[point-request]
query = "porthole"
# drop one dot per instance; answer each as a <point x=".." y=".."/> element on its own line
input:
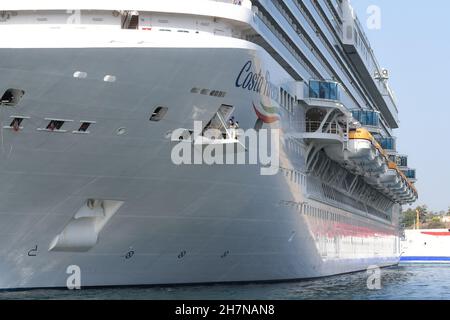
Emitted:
<point x="80" y="74"/>
<point x="121" y="131"/>
<point x="109" y="78"/>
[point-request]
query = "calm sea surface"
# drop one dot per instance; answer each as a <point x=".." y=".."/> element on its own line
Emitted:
<point x="404" y="283"/>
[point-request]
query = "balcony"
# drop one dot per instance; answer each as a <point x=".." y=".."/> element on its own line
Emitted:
<point x="323" y="90"/>
<point x="388" y="144"/>
<point x="410" y="174"/>
<point x="401" y="161"/>
<point x="367" y="118"/>
<point x="327" y="119"/>
<point x="324" y="95"/>
<point x="322" y="133"/>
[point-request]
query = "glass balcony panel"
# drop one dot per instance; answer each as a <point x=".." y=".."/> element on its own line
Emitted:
<point x="410" y="174"/>
<point x="402" y="161"/>
<point x="314" y="89"/>
<point x="323" y="90"/>
<point x="367" y="118"/>
<point x="388" y="143"/>
<point x="334" y="91"/>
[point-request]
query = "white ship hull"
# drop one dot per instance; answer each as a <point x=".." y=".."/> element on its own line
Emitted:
<point x="178" y="224"/>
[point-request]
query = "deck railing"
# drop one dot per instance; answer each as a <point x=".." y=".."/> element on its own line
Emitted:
<point x="327" y="127"/>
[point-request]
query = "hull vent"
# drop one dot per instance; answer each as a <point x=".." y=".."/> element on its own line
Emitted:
<point x="82" y="233"/>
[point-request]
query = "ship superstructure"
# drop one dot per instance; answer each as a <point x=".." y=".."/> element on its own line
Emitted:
<point x="92" y="93"/>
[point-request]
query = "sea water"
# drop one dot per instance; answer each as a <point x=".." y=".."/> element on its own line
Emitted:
<point x="418" y="282"/>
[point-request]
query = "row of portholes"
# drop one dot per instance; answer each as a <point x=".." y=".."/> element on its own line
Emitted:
<point x="84" y="75"/>
<point x="314" y="212"/>
<point x="208" y="92"/>
<point x="53" y="125"/>
<point x="56" y="125"/>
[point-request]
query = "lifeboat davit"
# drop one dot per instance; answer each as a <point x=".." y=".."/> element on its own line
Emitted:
<point x="364" y="150"/>
<point x="364" y="156"/>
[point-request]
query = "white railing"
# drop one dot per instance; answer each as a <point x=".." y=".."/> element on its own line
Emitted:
<point x="327" y="127"/>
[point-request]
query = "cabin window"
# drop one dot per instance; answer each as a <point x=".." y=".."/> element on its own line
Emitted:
<point x="16" y="123"/>
<point x="55" y="125"/>
<point x="159" y="114"/>
<point x="12" y="97"/>
<point x="217" y="93"/>
<point x="84" y="127"/>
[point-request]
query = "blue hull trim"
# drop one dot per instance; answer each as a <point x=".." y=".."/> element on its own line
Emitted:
<point x="425" y="259"/>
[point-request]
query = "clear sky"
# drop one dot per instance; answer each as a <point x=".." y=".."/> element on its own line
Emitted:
<point x="414" y="44"/>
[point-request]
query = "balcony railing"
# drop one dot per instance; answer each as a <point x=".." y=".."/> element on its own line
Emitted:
<point x="327" y="127"/>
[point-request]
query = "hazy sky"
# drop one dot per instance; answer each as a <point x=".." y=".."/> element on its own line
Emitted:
<point x="414" y="44"/>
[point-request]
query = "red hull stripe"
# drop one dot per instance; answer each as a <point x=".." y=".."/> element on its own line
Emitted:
<point x="437" y="234"/>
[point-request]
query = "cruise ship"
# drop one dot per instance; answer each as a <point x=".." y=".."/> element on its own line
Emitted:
<point x="95" y="95"/>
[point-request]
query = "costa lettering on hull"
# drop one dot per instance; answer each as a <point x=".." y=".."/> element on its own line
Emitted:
<point x="255" y="80"/>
